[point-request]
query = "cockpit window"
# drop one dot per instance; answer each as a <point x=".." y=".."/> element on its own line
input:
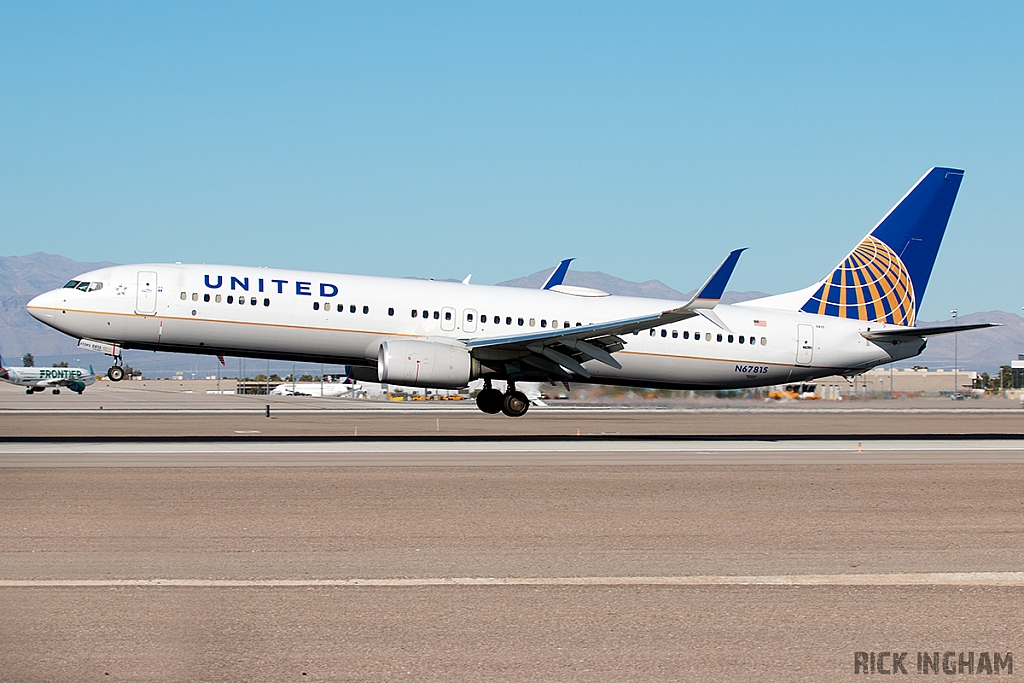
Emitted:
<point x="84" y="286"/>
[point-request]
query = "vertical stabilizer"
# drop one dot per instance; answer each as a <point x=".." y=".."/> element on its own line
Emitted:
<point x="884" y="278"/>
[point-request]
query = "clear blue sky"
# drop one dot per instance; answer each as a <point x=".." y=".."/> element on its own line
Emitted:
<point x="437" y="139"/>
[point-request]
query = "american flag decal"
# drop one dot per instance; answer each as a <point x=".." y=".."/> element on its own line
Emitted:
<point x="760" y="323"/>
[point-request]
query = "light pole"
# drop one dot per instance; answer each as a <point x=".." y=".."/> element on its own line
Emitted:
<point x="956" y="359"/>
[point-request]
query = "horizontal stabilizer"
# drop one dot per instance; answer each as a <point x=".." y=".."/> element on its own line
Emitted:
<point x="909" y="332"/>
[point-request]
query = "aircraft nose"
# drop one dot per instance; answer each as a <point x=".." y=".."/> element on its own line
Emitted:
<point x="41" y="307"/>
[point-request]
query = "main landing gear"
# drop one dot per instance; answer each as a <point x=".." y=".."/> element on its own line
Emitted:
<point x="491" y="401"/>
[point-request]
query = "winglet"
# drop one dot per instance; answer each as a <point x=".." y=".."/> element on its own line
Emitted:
<point x="558" y="274"/>
<point x="712" y="291"/>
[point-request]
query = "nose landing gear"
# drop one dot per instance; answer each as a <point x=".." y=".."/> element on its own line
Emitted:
<point x="116" y="372"/>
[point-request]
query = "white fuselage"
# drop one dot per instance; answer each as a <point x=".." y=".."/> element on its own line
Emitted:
<point x="323" y="317"/>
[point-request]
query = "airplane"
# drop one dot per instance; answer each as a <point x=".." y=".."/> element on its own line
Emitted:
<point x="41" y="379"/>
<point x="428" y="333"/>
<point x="322" y="389"/>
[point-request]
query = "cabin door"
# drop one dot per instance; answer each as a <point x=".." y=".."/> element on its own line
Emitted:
<point x="145" y="301"/>
<point x="804" y="344"/>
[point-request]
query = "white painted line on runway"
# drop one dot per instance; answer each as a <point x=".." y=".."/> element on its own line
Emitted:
<point x="506" y="447"/>
<point x="1012" y="579"/>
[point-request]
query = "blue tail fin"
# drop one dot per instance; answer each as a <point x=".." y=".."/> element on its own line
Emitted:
<point x="884" y="277"/>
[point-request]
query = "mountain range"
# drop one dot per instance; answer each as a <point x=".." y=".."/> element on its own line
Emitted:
<point x="22" y="277"/>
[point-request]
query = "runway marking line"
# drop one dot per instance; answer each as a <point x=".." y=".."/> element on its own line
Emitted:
<point x="1007" y="579"/>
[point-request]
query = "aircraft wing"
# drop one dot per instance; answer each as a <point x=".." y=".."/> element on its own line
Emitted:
<point x="563" y="351"/>
<point x="921" y="332"/>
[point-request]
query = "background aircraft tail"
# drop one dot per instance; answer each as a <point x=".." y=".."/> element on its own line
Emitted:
<point x="883" y="279"/>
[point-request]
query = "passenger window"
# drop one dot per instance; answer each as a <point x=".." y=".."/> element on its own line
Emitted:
<point x="206" y="298"/>
<point x="520" y="322"/>
<point x="579" y="324"/>
<point x="252" y="301"/>
<point x="508" y="320"/>
<point x="635" y="333"/>
<point x="183" y="294"/>
<point x="533" y="322"/>
<point x="231" y="299"/>
<point x="327" y="305"/>
<point x="366" y="309"/>
<point x="415" y="313"/>
<point x="469" y="317"/>
<point x="426" y="314"/>
<point x="566" y="324"/>
<point x="719" y="337"/>
<point x="437" y="315"/>
<point x="764" y="341"/>
<point x="675" y="334"/>
<point x="266" y="302"/>
<point x="195" y="296"/>
<point x="352" y="308"/>
<point x="316" y="305"/>
<point x="664" y="333"/>
<point x="730" y="339"/>
<point x="686" y="334"/>
<point x="743" y="339"/>
<point x="218" y="298"/>
<point x="543" y="322"/>
<point x="241" y="300"/>
<point x="653" y="332"/>
<point x="391" y="311"/>
<point x="753" y="341"/>
<point x="554" y="323"/>
<point x="447" y="315"/>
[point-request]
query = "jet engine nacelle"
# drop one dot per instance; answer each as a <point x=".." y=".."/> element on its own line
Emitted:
<point x="414" y="363"/>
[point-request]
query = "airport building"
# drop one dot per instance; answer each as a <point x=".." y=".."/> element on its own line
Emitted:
<point x="909" y="382"/>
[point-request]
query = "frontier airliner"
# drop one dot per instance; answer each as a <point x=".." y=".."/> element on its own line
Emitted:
<point x="40" y="379"/>
<point x="446" y="334"/>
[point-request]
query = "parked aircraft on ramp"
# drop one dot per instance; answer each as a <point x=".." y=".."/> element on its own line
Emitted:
<point x="444" y="334"/>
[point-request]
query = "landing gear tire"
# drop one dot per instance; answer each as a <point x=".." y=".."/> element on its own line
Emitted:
<point x="29" y="392"/>
<point x="515" y="404"/>
<point x="115" y="373"/>
<point x="56" y="391"/>
<point x="489" y="401"/>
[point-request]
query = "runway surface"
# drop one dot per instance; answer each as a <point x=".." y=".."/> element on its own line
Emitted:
<point x="566" y="452"/>
<point x="660" y="552"/>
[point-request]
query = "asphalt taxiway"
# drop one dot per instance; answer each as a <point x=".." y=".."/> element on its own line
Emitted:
<point x="432" y="556"/>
